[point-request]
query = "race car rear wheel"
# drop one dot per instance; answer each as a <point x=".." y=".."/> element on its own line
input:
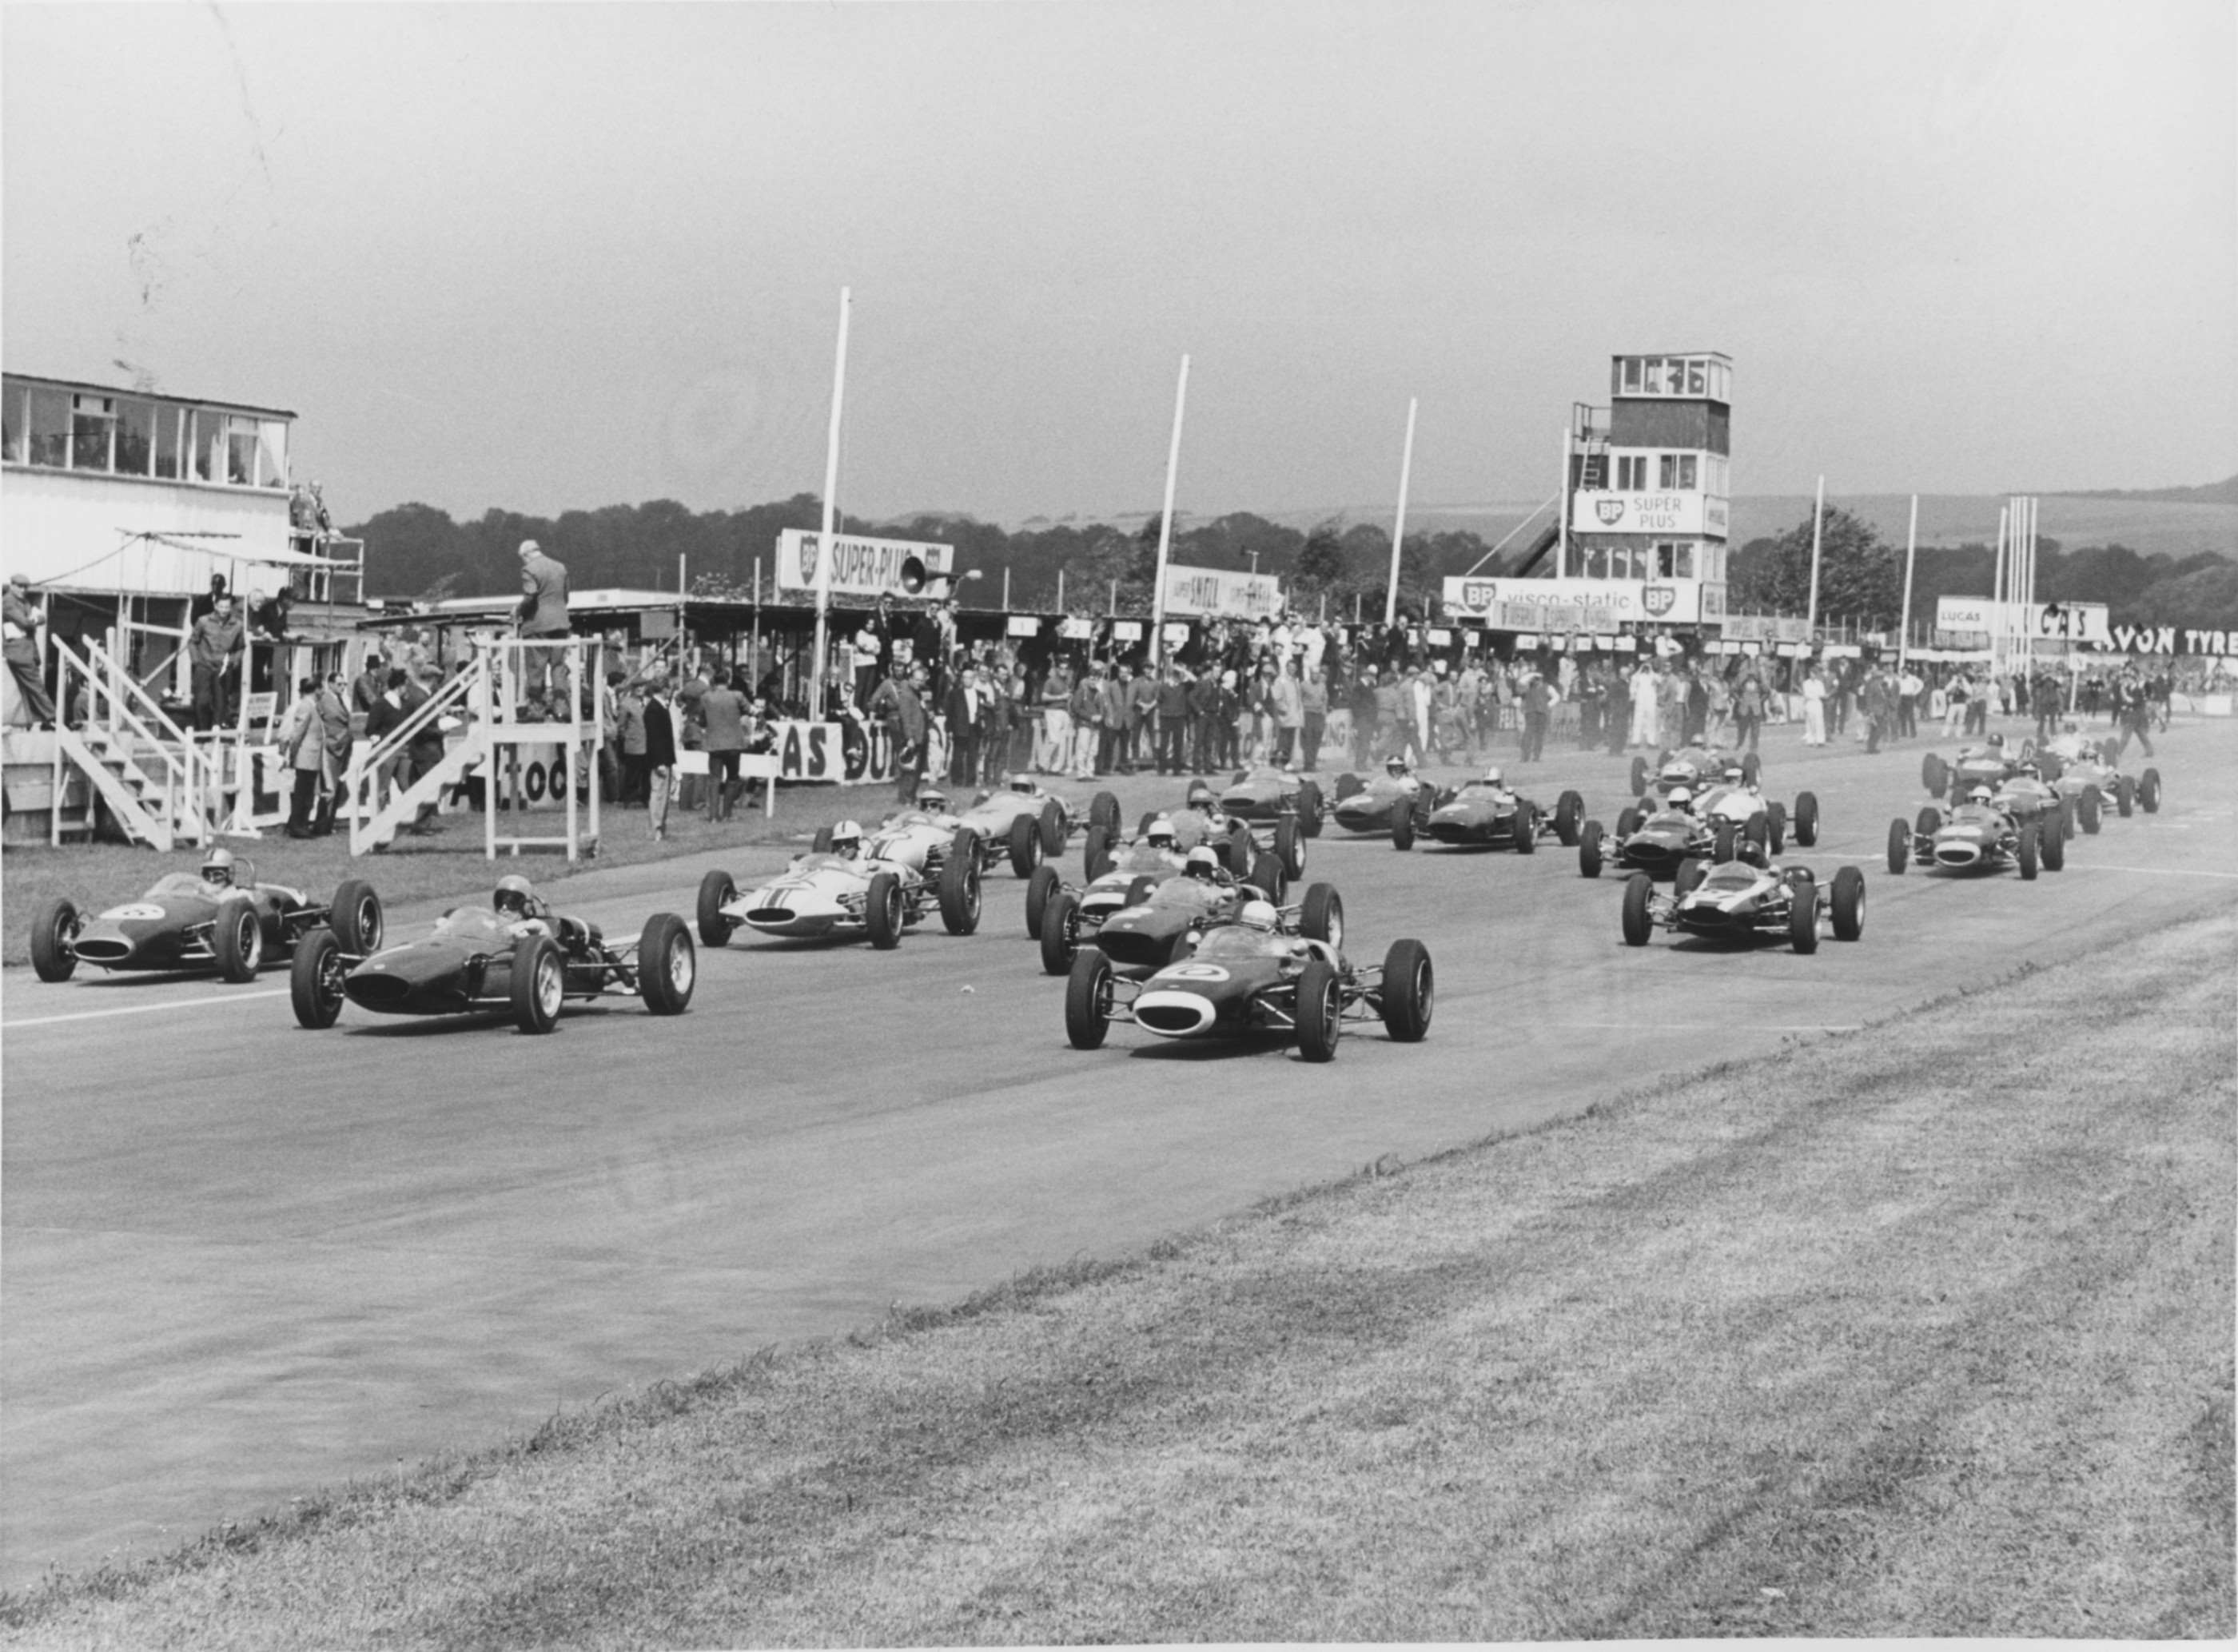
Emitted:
<point x="53" y="936"/>
<point x="2090" y="809"/>
<point x="1758" y="834"/>
<point x="1639" y="776"/>
<point x="1402" y="825"/>
<point x="1569" y="815"/>
<point x="1290" y="844"/>
<point x="1526" y="830"/>
<point x="1088" y="999"/>
<point x="2053" y="848"/>
<point x="1054" y="829"/>
<point x="1040" y="888"/>
<point x="1807" y="818"/>
<point x="1321" y="916"/>
<point x="357" y="917"/>
<point x="1321" y="1011"/>
<point x="1309" y="807"/>
<point x="1347" y="783"/>
<point x="1096" y="853"/>
<point x="716" y="892"/>
<point x="1240" y="849"/>
<point x="882" y="911"/>
<point x="1268" y="875"/>
<point x="237" y="937"/>
<point x="2125" y="795"/>
<point x="1775" y="814"/>
<point x="1025" y="844"/>
<point x="1060" y="932"/>
<point x="1849" y="903"/>
<point x="1410" y="992"/>
<point x="1639" y="891"/>
<point x="1689" y="874"/>
<point x="1899" y="848"/>
<point x="1723" y="841"/>
<point x="2029" y="850"/>
<point x="1803" y="915"/>
<point x="538" y="984"/>
<point x="1934" y="774"/>
<point x="1752" y="766"/>
<point x="1628" y="822"/>
<point x="1103" y="811"/>
<point x="667" y="965"/>
<point x="959" y="885"/>
<point x="2149" y="790"/>
<point x="1589" y="849"/>
<point x="314" y="980"/>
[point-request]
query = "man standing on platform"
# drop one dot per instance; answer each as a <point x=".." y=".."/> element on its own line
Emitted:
<point x="214" y="654"/>
<point x="543" y="614"/>
<point x="24" y="616"/>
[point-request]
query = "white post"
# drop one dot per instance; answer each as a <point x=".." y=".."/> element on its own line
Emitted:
<point x="1997" y="589"/>
<point x="1910" y="556"/>
<point x="1006" y="588"/>
<point x="1818" y="525"/>
<point x="1165" y="529"/>
<point x="1399" y="528"/>
<point x="1060" y="590"/>
<point x="831" y="497"/>
<point x="1562" y="513"/>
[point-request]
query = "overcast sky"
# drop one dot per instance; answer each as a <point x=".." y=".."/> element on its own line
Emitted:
<point x="546" y="257"/>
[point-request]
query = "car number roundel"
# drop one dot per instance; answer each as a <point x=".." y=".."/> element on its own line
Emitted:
<point x="138" y="912"/>
<point x="1196" y="972"/>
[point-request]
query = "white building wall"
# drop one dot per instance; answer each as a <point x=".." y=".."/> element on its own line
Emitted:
<point x="76" y="530"/>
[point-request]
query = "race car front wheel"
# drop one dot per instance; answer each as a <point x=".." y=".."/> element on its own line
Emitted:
<point x="1321" y="1011"/>
<point x="357" y="919"/>
<point x="54" y="936"/>
<point x="1410" y="992"/>
<point x="716" y="892"/>
<point x="314" y="980"/>
<point x="538" y="984"/>
<point x="667" y="966"/>
<point x="1088" y="999"/>
<point x="1638" y="892"/>
<point x="237" y="937"/>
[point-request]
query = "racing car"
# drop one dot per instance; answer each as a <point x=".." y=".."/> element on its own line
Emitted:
<point x="1397" y="801"/>
<point x="849" y="889"/>
<point x="1139" y="920"/>
<point x="1262" y="974"/>
<point x="2087" y="774"/>
<point x="514" y="955"/>
<point x="1737" y="901"/>
<point x="1160" y="851"/>
<point x="1987" y="764"/>
<point x="1986" y="833"/>
<point x="1485" y="813"/>
<point x="1689" y="765"/>
<point x="1282" y="808"/>
<point x="219" y="918"/>
<point x="1729" y="821"/>
<point x="1028" y="824"/>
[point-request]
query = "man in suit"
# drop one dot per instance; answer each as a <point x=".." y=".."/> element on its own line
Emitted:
<point x="966" y="707"/>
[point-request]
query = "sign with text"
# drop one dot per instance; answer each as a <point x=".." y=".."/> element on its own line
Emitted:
<point x="1658" y="512"/>
<point x="2067" y="621"/>
<point x="1766" y="628"/>
<point x="861" y="566"/>
<point x="1600" y="605"/>
<point x="1222" y="592"/>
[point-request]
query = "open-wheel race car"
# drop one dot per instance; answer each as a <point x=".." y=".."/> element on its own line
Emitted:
<point x="1987" y="832"/>
<point x="1740" y="902"/>
<point x="1280" y="807"/>
<point x="1990" y="764"/>
<point x="1139" y="917"/>
<point x="1487" y="813"/>
<point x="847" y="890"/>
<point x="2088" y="773"/>
<point x="514" y="957"/>
<point x="1692" y="765"/>
<point x="1394" y="800"/>
<point x="220" y="918"/>
<point x="1028" y="824"/>
<point x="1731" y="820"/>
<point x="1264" y="974"/>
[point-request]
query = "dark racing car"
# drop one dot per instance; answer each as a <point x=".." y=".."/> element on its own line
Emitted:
<point x="1262" y="976"/>
<point x="1280" y="807"/>
<point x="1739" y="901"/>
<point x="221" y="919"/>
<point x="1398" y="801"/>
<point x="1680" y="830"/>
<point x="1139" y="919"/>
<point x="514" y="956"/>
<point x="1487" y="813"/>
<point x="1986" y="833"/>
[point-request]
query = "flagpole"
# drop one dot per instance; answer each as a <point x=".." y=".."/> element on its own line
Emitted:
<point x="1818" y="523"/>
<point x="830" y="498"/>
<point x="1166" y="524"/>
<point x="1910" y="555"/>
<point x="1399" y="528"/>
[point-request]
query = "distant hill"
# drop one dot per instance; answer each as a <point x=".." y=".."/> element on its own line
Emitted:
<point x="2222" y="492"/>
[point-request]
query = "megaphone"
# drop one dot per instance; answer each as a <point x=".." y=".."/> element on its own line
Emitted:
<point x="913" y="576"/>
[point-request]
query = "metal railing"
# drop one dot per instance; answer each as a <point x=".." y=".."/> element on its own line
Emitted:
<point x="188" y="779"/>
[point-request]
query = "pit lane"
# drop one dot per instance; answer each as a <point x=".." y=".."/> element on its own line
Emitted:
<point x="242" y="1260"/>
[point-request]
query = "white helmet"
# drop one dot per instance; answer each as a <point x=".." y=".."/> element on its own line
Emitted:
<point x="1395" y="766"/>
<point x="217" y="867"/>
<point x="1681" y="800"/>
<point x="932" y="798"/>
<point x="1259" y="914"/>
<point x="1023" y="784"/>
<point x="1202" y="863"/>
<point x="1161" y="835"/>
<point x="1492" y="776"/>
<point x="846" y="838"/>
<point x="1980" y="795"/>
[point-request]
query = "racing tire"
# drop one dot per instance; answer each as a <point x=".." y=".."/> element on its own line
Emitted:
<point x="1775" y="815"/>
<point x="1321" y="1011"/>
<point x="2148" y="791"/>
<point x="1806" y="819"/>
<point x="1639" y="776"/>
<point x="882" y="911"/>
<point x="1410" y="990"/>
<point x="1144" y="828"/>
<point x="959" y="885"/>
<point x="540" y="984"/>
<point x="1096" y="853"/>
<point x="1688" y="877"/>
<point x="54" y="931"/>
<point x="1040" y="889"/>
<point x="2053" y="848"/>
<point x="2030" y="851"/>
<point x="1309" y="809"/>
<point x="1322" y="915"/>
<point x="1589" y="849"/>
<point x="820" y="844"/>
<point x="1103" y="811"/>
<point x="1402" y="826"/>
<point x="1088" y="999"/>
<point x="1025" y="845"/>
<point x="1268" y="875"/>
<point x="667" y="965"/>
<point x="1139" y="890"/>
<point x="1060" y="933"/>
<point x="1526" y="830"/>
<point x="716" y="892"/>
<point x="358" y="923"/>
<point x="1758" y="834"/>
<point x="1054" y="829"/>
<point x="237" y="937"/>
<point x="1752" y="767"/>
<point x="1803" y="915"/>
<point x="2125" y="795"/>
<point x="1347" y="783"/>
<point x="314" y="980"/>
<point x="1899" y="848"/>
<point x="1638" y="892"/>
<point x="1627" y="822"/>
<point x="1934" y="774"/>
<point x="2090" y="809"/>
<point x="1290" y="845"/>
<point x="1849" y="903"/>
<point x="1240" y="850"/>
<point x="1931" y="821"/>
<point x="1569" y="816"/>
<point x="1722" y="841"/>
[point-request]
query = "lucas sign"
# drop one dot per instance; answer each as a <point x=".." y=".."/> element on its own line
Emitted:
<point x="860" y="565"/>
<point x="2066" y="621"/>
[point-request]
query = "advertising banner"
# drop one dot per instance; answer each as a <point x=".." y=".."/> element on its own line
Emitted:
<point x="861" y="566"/>
<point x="1766" y="628"/>
<point x="1222" y="592"/>
<point x="1597" y="604"/>
<point x="1670" y="513"/>
<point x="2067" y="622"/>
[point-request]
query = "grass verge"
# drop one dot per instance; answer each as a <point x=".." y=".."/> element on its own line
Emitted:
<point x="1922" y="1330"/>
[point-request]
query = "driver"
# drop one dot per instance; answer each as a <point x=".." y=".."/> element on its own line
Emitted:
<point x="1493" y="777"/>
<point x="1260" y="915"/>
<point x="847" y="840"/>
<point x="1397" y="769"/>
<point x="217" y="868"/>
<point x="1025" y="785"/>
<point x="1203" y="864"/>
<point x="1681" y="799"/>
<point x="1161" y="835"/>
<point x="516" y="902"/>
<point x="1981" y="795"/>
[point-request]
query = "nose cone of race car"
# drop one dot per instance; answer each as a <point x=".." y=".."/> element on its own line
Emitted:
<point x="1960" y="848"/>
<point x="142" y="935"/>
<point x="421" y="978"/>
<point x="1171" y="1012"/>
<point x="789" y="909"/>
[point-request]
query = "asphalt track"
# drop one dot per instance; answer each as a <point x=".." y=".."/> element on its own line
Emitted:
<point x="243" y="1261"/>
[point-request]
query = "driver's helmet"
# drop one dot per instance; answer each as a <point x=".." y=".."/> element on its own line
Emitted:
<point x="2070" y="727"/>
<point x="1979" y="795"/>
<point x="514" y="896"/>
<point x="1735" y="775"/>
<point x="931" y="800"/>
<point x="1996" y="742"/>
<point x="217" y="867"/>
<point x="1161" y="835"/>
<point x="1396" y="768"/>
<point x="1681" y="800"/>
<point x="1202" y="796"/>
<point x="1259" y="914"/>
<point x="1202" y="863"/>
<point x="847" y="838"/>
<point x="1024" y="784"/>
<point x="1492" y="776"/>
<point x="1675" y="773"/>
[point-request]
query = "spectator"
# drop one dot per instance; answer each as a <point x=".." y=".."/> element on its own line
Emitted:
<point x="382" y="718"/>
<point x="899" y="704"/>
<point x="659" y="752"/>
<point x="1286" y="696"/>
<point x="1314" y="693"/>
<point x="1053" y="746"/>
<point x="213" y="652"/>
<point x="1172" y="721"/>
<point x="723" y="712"/>
<point x="302" y="742"/>
<point x="23" y="618"/>
<point x="542" y="614"/>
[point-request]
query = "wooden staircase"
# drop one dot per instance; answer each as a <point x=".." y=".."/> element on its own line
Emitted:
<point x="160" y="785"/>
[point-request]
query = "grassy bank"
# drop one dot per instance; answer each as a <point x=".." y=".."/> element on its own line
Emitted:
<point x="1923" y="1330"/>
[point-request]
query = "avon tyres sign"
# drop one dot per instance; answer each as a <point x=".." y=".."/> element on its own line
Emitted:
<point x="860" y="565"/>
